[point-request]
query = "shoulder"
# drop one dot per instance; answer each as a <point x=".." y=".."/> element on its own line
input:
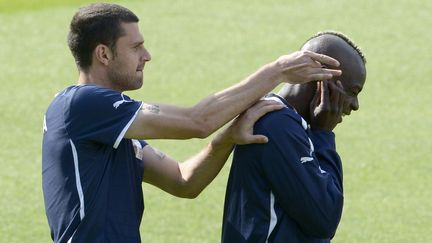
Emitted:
<point x="92" y="103"/>
<point x="285" y="119"/>
<point x="93" y="92"/>
<point x="93" y="96"/>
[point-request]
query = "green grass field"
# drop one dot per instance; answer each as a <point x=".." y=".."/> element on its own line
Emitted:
<point x="200" y="47"/>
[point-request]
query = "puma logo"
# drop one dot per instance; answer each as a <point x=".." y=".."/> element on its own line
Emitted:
<point x="118" y="103"/>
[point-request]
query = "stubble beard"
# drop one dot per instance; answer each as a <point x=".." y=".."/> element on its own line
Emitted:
<point x="124" y="80"/>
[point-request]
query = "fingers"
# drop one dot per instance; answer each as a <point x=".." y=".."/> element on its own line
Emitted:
<point x="342" y="97"/>
<point x="317" y="96"/>
<point x="266" y="109"/>
<point x="296" y="67"/>
<point x="325" y="99"/>
<point x="245" y="122"/>
<point x="305" y="66"/>
<point x="323" y="59"/>
<point x="262" y="107"/>
<point x="257" y="139"/>
<point x="314" y="68"/>
<point x="334" y="96"/>
<point x="340" y="87"/>
<point x="329" y="112"/>
<point x="337" y="96"/>
<point x="310" y="72"/>
<point x="324" y="74"/>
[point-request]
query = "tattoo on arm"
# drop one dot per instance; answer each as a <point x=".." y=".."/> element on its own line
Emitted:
<point x="151" y="108"/>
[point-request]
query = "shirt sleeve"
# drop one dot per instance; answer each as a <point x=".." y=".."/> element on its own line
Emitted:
<point x="100" y="115"/>
<point x="139" y="157"/>
<point x="308" y="193"/>
<point x="325" y="152"/>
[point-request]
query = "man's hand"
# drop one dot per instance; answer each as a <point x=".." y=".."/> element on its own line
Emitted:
<point x="327" y="105"/>
<point x="304" y="66"/>
<point x="240" y="131"/>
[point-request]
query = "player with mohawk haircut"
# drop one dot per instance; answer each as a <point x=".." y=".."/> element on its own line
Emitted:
<point x="290" y="189"/>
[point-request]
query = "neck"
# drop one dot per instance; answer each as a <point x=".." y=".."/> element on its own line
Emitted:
<point x="94" y="77"/>
<point x="299" y="96"/>
<point x="86" y="78"/>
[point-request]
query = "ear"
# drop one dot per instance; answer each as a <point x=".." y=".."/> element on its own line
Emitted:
<point x="103" y="54"/>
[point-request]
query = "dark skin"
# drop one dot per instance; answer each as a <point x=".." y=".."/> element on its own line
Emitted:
<point x="327" y="105"/>
<point x="324" y="103"/>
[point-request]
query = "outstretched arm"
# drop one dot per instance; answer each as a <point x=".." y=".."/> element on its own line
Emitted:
<point x="189" y="178"/>
<point x="163" y="121"/>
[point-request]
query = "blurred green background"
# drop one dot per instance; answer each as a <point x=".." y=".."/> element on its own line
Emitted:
<point x="200" y="47"/>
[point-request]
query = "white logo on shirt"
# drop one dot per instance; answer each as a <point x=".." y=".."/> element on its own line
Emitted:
<point x="321" y="170"/>
<point x="118" y="103"/>
<point x="308" y="159"/>
<point x="305" y="159"/>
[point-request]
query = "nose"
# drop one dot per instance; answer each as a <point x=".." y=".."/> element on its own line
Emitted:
<point x="146" y="55"/>
<point x="355" y="104"/>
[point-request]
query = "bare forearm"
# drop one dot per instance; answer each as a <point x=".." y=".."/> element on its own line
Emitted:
<point x="216" y="110"/>
<point x="198" y="171"/>
<point x="163" y="121"/>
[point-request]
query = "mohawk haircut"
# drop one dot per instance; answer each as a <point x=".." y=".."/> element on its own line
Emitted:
<point x="343" y="37"/>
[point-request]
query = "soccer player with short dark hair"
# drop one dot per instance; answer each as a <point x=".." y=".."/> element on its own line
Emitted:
<point x="290" y="189"/>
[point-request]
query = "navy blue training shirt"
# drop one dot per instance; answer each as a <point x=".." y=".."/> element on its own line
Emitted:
<point x="91" y="175"/>
<point x="287" y="190"/>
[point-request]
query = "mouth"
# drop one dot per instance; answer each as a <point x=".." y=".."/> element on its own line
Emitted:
<point x="347" y="113"/>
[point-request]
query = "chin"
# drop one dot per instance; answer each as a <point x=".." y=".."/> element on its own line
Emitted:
<point x="140" y="82"/>
<point x="133" y="85"/>
<point x="137" y="84"/>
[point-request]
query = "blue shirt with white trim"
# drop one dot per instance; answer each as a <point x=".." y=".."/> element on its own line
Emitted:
<point x="287" y="190"/>
<point x="91" y="175"/>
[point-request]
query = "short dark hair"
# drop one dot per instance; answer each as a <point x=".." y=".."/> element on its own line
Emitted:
<point x="343" y="37"/>
<point x="95" y="24"/>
